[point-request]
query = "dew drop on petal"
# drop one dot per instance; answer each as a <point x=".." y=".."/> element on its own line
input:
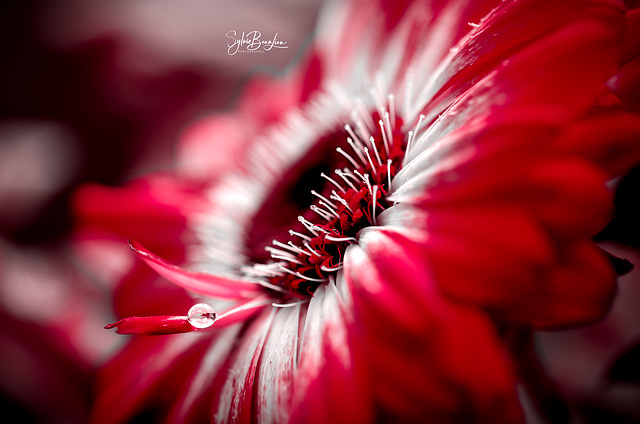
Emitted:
<point x="201" y="315"/>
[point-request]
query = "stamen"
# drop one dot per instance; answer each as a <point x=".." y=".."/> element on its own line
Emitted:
<point x="344" y="177"/>
<point x="368" y="183"/>
<point x="330" y="209"/>
<point x="343" y="208"/>
<point x="375" y="150"/>
<point x="338" y="239"/>
<point x="384" y="134"/>
<point x="280" y="254"/>
<point x="274" y="250"/>
<point x="290" y="246"/>
<point x="357" y="148"/>
<point x="328" y="269"/>
<point x="389" y="131"/>
<point x="341" y="200"/>
<point x="323" y="214"/>
<point x="409" y="141"/>
<point x="418" y="124"/>
<point x="318" y="280"/>
<point x="297" y="234"/>
<point x="308" y="225"/>
<point x="319" y="228"/>
<point x="415" y="132"/>
<point x="349" y="173"/>
<point x="321" y="197"/>
<point x="338" y="186"/>
<point x="374" y="201"/>
<point x="373" y="168"/>
<point x="286" y="258"/>
<point x="289" y="305"/>
<point x="365" y="179"/>
<point x="348" y="156"/>
<point x="345" y="204"/>
<point x="304" y="277"/>
<point x="353" y="135"/>
<point x="312" y="250"/>
<point x="299" y="249"/>
<point x="392" y="110"/>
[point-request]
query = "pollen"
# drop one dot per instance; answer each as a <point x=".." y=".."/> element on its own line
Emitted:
<point x="349" y="201"/>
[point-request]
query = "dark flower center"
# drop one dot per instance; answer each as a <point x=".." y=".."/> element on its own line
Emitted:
<point x="341" y="204"/>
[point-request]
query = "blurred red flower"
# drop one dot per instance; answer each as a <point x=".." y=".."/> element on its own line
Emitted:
<point x="474" y="143"/>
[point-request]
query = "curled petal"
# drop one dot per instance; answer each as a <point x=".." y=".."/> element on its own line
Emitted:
<point x="244" y="311"/>
<point x="196" y="319"/>
<point x="152" y="326"/>
<point x="205" y="284"/>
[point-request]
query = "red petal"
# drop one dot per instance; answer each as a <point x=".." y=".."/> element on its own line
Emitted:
<point x="193" y="403"/>
<point x="149" y="326"/>
<point x="243" y="311"/>
<point x="476" y="259"/>
<point x="626" y="85"/>
<point x="206" y="284"/>
<point x="234" y="401"/>
<point x="557" y="86"/>
<point x="213" y="146"/>
<point x="276" y="368"/>
<point x="448" y="364"/>
<point x="331" y="384"/>
<point x="140" y="374"/>
<point x="389" y="34"/>
<point x="486" y="256"/>
<point x="579" y="290"/>
<point x="568" y="197"/>
<point x="151" y="210"/>
<point x="631" y="43"/>
<point x="511" y="28"/>
<point x="611" y="141"/>
<point x="516" y="165"/>
<point x="142" y="292"/>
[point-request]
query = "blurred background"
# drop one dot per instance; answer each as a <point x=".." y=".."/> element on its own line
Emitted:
<point x="99" y="91"/>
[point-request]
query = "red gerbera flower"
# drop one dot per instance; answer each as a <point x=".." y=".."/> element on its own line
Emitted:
<point x="438" y="191"/>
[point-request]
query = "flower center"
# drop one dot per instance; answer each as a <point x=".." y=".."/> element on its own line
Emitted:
<point x="350" y="200"/>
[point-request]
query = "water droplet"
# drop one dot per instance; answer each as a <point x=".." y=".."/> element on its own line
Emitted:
<point x="201" y="315"/>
